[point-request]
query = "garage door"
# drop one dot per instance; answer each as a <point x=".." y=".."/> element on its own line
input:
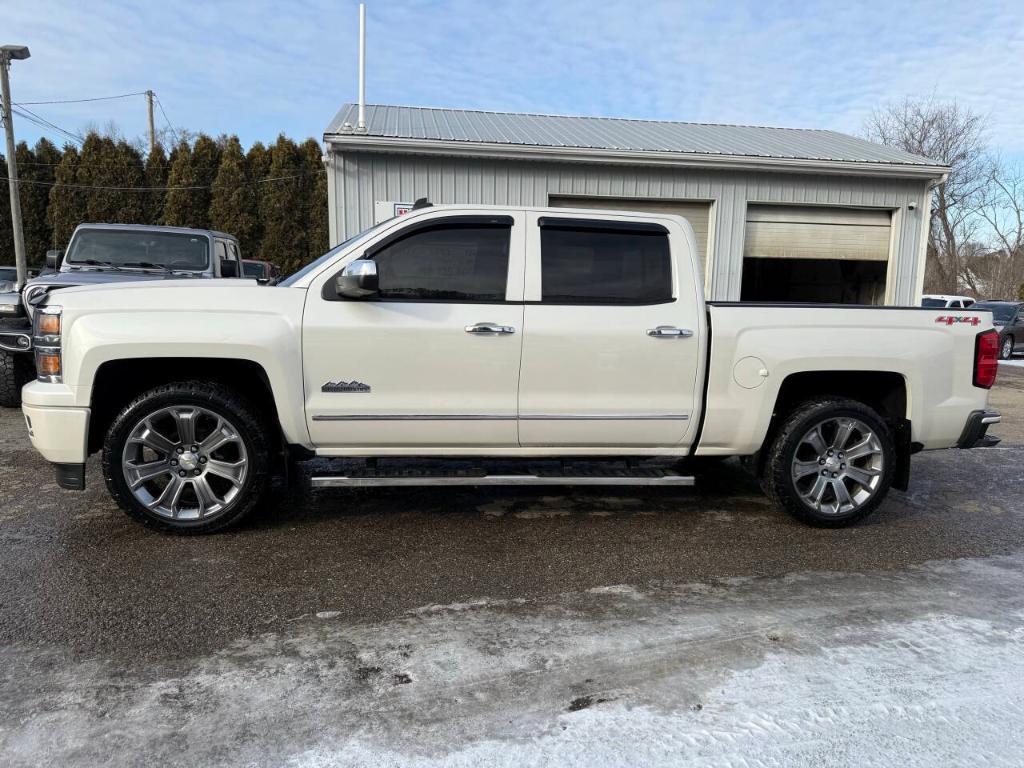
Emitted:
<point x="815" y="254"/>
<point x="697" y="213"/>
<point x="805" y="232"/>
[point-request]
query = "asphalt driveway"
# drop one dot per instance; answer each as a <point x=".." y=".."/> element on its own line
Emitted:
<point x="510" y="626"/>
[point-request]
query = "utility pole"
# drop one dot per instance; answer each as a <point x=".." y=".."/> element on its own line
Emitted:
<point x="152" y="132"/>
<point x="361" y="122"/>
<point x="9" y="53"/>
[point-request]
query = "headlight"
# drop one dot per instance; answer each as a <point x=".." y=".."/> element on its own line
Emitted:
<point x="46" y="337"/>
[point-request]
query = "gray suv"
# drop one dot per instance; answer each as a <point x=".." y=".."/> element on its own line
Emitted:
<point x="107" y="253"/>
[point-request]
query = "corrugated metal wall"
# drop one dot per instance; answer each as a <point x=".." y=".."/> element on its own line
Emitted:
<point x="359" y="179"/>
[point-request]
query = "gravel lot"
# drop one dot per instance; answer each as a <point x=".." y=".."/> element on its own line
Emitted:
<point x="518" y="626"/>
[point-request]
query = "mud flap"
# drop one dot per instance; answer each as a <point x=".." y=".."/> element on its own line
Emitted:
<point x="901" y="438"/>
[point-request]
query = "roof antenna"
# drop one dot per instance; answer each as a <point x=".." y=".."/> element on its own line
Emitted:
<point x="422" y="203"/>
<point x="361" y="123"/>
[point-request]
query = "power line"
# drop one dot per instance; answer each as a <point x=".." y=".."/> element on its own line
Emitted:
<point x="80" y="101"/>
<point x="160" y="189"/>
<point x="42" y="122"/>
<point x="166" y="119"/>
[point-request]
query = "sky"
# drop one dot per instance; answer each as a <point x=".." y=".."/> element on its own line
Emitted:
<point x="256" y="69"/>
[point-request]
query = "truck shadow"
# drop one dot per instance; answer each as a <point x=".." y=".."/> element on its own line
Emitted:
<point x="721" y="486"/>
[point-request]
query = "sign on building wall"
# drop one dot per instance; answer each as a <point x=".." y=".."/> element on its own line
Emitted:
<point x="387" y="209"/>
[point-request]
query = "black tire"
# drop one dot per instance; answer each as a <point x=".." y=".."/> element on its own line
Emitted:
<point x="15" y="372"/>
<point x="218" y="400"/>
<point x="1006" y="349"/>
<point x="777" y="474"/>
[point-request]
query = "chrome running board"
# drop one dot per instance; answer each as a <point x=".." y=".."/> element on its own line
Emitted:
<point x="415" y="478"/>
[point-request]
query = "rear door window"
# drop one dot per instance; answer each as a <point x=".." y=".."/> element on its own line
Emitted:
<point x="604" y="262"/>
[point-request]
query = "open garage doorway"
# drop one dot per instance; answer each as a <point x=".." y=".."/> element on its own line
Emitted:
<point x="816" y="254"/>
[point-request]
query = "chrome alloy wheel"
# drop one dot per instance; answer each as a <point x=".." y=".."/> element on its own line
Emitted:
<point x="838" y="465"/>
<point x="185" y="463"/>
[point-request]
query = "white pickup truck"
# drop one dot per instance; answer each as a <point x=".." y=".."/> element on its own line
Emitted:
<point x="537" y="346"/>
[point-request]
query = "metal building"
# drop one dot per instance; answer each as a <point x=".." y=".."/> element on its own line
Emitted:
<point x="781" y="214"/>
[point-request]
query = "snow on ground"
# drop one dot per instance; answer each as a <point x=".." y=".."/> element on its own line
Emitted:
<point x="1014" y="363"/>
<point x="919" y="667"/>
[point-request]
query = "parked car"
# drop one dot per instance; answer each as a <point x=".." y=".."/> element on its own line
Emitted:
<point x="106" y="253"/>
<point x="9" y="277"/>
<point x="936" y="301"/>
<point x="1009" y="322"/>
<point x="261" y="271"/>
<point x="522" y="340"/>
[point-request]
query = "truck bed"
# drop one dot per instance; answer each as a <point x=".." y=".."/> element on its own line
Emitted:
<point x="754" y="348"/>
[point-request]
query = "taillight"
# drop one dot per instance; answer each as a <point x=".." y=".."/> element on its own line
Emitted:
<point x="986" y="358"/>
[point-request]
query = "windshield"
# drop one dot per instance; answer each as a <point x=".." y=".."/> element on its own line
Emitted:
<point x="252" y="269"/>
<point x="933" y="302"/>
<point x="1001" y="313"/>
<point x="139" y="248"/>
<point x="312" y="266"/>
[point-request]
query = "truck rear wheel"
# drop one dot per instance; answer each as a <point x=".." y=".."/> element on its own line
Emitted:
<point x="15" y="372"/>
<point x="831" y="463"/>
<point x="187" y="458"/>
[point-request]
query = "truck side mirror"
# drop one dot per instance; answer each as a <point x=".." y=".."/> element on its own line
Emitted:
<point x="53" y="258"/>
<point x="357" y="280"/>
<point x="229" y="269"/>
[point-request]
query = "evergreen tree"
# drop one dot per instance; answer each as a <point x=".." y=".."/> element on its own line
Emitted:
<point x="130" y="172"/>
<point x="189" y="179"/>
<point x="258" y="161"/>
<point x="112" y="172"/>
<point x="6" y="229"/>
<point x="316" y="200"/>
<point x="180" y="209"/>
<point x="233" y="206"/>
<point x="37" y="166"/>
<point x="281" y="207"/>
<point x="156" y="179"/>
<point x="28" y="197"/>
<point x="67" y="203"/>
<point x="205" y="160"/>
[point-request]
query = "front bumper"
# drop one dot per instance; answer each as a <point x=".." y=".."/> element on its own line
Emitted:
<point x="974" y="434"/>
<point x="60" y="435"/>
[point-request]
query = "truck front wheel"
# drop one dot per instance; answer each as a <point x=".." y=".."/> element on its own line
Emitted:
<point x="831" y="463"/>
<point x="187" y="458"/>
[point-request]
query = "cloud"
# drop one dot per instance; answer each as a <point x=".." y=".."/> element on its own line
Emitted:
<point x="259" y="68"/>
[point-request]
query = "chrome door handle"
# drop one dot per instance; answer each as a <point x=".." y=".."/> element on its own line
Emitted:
<point x="489" y="329"/>
<point x="669" y="331"/>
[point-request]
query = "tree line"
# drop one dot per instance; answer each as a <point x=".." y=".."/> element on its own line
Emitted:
<point x="272" y="198"/>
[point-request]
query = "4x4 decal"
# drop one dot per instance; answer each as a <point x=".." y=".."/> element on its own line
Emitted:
<point x="950" y="319"/>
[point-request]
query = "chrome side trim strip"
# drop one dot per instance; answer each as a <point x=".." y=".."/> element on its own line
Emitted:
<point x="365" y="482"/>
<point x="410" y="417"/>
<point x="495" y="417"/>
<point x="604" y="417"/>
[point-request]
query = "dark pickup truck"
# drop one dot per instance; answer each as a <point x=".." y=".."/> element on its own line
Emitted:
<point x="106" y="253"/>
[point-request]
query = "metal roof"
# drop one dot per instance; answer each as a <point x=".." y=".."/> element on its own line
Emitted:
<point x="613" y="135"/>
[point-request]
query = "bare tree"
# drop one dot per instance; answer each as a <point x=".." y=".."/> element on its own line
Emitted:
<point x="954" y="136"/>
<point x="1001" y="207"/>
